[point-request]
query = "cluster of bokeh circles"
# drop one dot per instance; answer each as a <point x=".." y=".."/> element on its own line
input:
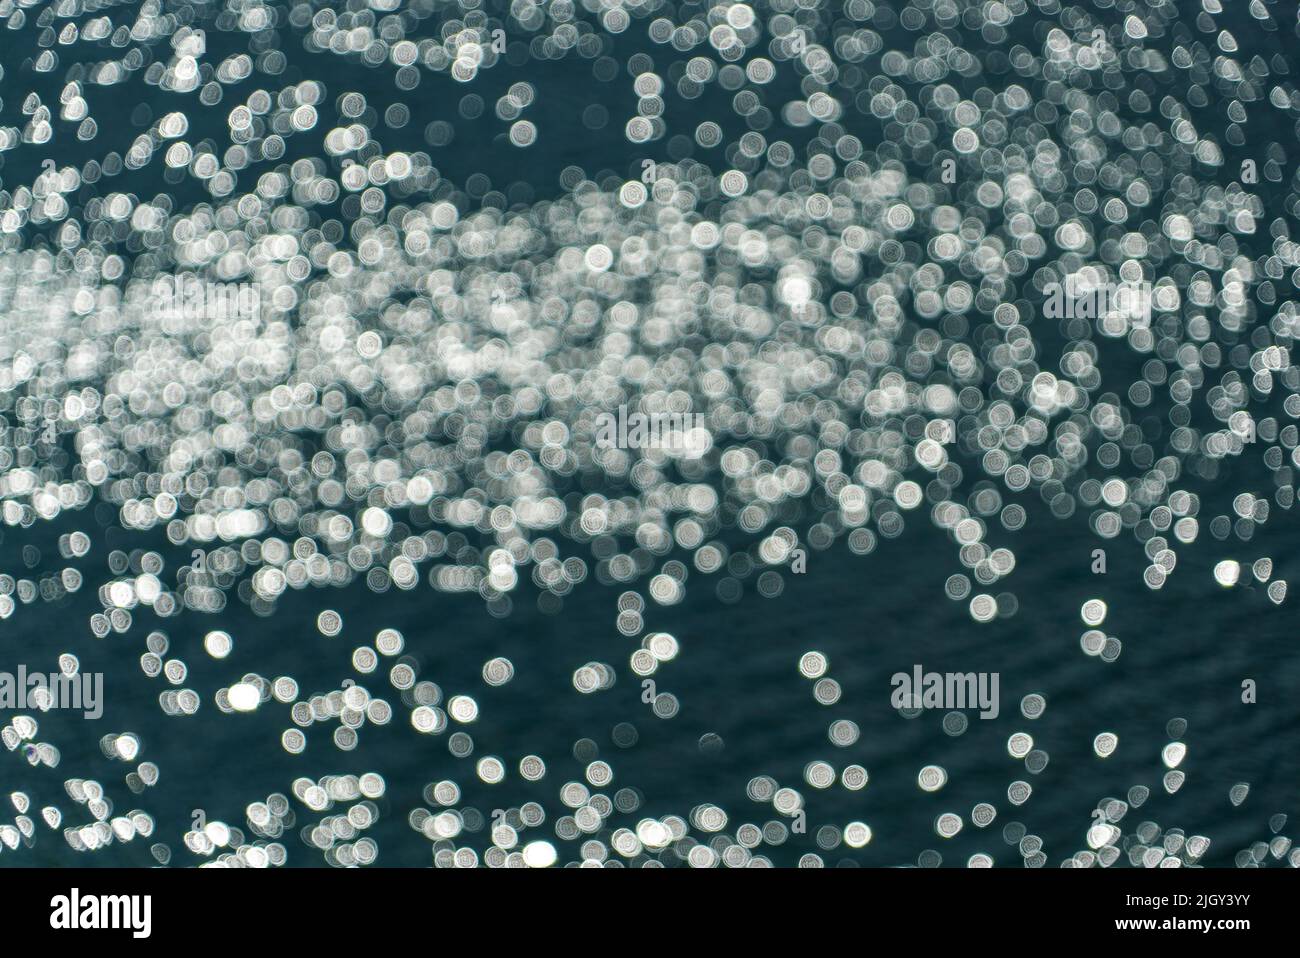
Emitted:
<point x="265" y="331"/>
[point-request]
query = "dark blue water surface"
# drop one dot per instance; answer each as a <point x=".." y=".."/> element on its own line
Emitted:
<point x="1187" y="648"/>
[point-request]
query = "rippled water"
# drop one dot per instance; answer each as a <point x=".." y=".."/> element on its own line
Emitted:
<point x="745" y="709"/>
